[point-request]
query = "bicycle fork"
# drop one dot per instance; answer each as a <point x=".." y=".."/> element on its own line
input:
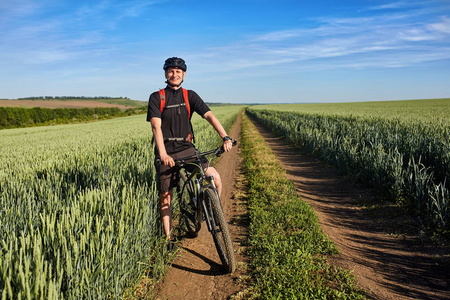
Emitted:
<point x="210" y="223"/>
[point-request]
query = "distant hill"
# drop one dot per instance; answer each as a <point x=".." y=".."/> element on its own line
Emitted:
<point x="72" y="102"/>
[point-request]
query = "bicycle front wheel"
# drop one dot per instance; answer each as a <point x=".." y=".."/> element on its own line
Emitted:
<point x="220" y="232"/>
<point x="190" y="218"/>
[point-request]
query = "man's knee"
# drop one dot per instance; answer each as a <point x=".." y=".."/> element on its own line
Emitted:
<point x="216" y="175"/>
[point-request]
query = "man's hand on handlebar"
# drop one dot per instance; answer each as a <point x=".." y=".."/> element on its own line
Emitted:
<point x="167" y="160"/>
<point x="227" y="145"/>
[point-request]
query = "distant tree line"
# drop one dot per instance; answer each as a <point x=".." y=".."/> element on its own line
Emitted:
<point x="16" y="117"/>
<point x="69" y="97"/>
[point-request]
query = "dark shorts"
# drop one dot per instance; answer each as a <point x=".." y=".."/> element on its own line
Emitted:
<point x="169" y="177"/>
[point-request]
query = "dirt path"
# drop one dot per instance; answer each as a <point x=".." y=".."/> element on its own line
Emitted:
<point x="197" y="272"/>
<point x="386" y="266"/>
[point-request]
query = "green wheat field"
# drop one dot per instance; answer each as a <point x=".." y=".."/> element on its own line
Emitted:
<point x="79" y="207"/>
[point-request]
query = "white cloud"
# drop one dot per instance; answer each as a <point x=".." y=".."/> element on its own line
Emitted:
<point x="47" y="56"/>
<point x="415" y="35"/>
<point x="15" y="8"/>
<point x="114" y="10"/>
<point x="393" y="5"/>
<point x="443" y="26"/>
<point x="279" y="35"/>
<point x="406" y="5"/>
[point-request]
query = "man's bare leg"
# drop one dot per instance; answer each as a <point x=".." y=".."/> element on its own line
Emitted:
<point x="166" y="213"/>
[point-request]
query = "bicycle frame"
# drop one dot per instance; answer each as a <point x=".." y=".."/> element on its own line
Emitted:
<point x="199" y="172"/>
<point x="198" y="177"/>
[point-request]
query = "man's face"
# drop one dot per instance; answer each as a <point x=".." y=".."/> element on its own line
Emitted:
<point x="175" y="76"/>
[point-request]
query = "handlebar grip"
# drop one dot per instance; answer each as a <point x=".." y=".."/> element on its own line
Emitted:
<point x="220" y="150"/>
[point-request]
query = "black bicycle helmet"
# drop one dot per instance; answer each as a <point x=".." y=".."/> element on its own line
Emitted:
<point x="175" y="62"/>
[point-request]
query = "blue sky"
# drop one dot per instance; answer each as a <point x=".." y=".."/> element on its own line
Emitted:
<point x="247" y="51"/>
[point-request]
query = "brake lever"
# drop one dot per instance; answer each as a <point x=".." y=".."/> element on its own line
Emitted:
<point x="180" y="163"/>
<point x="219" y="151"/>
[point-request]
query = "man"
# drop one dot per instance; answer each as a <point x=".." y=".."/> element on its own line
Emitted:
<point x="172" y="133"/>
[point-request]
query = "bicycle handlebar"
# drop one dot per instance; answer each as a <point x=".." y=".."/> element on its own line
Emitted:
<point x="181" y="161"/>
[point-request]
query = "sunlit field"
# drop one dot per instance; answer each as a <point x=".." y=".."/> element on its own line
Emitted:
<point x="402" y="148"/>
<point x="432" y="110"/>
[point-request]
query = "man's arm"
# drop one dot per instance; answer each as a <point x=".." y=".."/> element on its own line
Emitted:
<point x="211" y="118"/>
<point x="159" y="139"/>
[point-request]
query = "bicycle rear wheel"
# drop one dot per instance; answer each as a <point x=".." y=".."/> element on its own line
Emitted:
<point x="190" y="218"/>
<point x="220" y="232"/>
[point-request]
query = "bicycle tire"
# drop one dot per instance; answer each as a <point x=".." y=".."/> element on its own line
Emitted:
<point x="220" y="233"/>
<point x="190" y="219"/>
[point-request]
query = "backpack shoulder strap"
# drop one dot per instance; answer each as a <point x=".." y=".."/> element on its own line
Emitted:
<point x="186" y="100"/>
<point x="162" y="96"/>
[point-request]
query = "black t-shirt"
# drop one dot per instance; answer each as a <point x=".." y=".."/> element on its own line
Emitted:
<point x="175" y="122"/>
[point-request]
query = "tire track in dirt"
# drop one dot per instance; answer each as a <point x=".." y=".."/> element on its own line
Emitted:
<point x="386" y="266"/>
<point x="197" y="272"/>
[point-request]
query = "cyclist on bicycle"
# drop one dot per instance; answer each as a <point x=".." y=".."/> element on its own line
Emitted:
<point x="172" y="132"/>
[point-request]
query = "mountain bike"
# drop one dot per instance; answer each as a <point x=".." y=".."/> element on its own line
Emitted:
<point x="199" y="201"/>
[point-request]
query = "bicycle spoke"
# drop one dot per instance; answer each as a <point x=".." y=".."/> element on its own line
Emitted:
<point x="189" y="216"/>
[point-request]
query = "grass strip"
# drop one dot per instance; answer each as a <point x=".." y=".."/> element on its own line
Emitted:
<point x="288" y="249"/>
